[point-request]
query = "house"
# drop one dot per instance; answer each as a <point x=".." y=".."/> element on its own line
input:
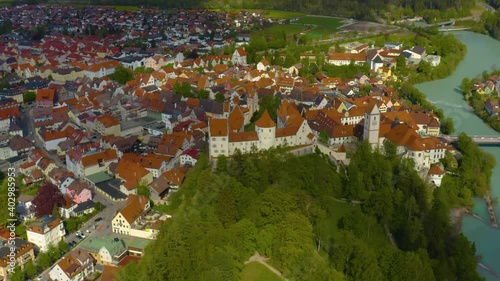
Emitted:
<point x="131" y="219"/>
<point x="492" y="107"/>
<point x="23" y="253"/>
<point x="107" y="124"/>
<point x="77" y="265"/>
<point x="79" y="192"/>
<point x="189" y="157"/>
<point x="45" y="97"/>
<point x="92" y="163"/>
<point x="393" y="45"/>
<point x="51" y="139"/>
<point x="45" y="232"/>
<point x="239" y="56"/>
<point x="132" y="175"/>
<point x="346" y="58"/>
<point x="105" y="250"/>
<point x="67" y="74"/>
<point x="101" y="69"/>
<point x="159" y="189"/>
<point x="263" y="65"/>
<point x="24" y="204"/>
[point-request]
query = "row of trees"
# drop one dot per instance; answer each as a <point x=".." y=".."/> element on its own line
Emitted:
<point x="285" y="207"/>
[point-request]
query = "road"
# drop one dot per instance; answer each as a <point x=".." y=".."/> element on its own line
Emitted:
<point x="31" y="135"/>
<point x="486" y="6"/>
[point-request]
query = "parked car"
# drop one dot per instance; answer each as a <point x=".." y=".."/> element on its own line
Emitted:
<point x="82" y="235"/>
<point x="98" y="219"/>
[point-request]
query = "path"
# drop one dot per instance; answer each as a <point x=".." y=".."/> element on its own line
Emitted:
<point x="263" y="260"/>
<point x="389" y="235"/>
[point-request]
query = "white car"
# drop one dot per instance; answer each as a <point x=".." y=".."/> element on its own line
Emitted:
<point x="82" y="235"/>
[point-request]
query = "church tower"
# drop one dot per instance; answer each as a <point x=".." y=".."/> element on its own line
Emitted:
<point x="371" y="128"/>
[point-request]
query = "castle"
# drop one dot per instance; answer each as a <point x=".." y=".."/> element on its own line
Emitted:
<point x="226" y="135"/>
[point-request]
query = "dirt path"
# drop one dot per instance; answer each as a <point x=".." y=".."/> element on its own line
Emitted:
<point x="263" y="260"/>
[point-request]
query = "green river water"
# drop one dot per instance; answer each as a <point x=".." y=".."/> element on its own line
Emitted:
<point x="483" y="53"/>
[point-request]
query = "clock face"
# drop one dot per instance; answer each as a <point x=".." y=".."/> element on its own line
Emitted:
<point x="374" y="121"/>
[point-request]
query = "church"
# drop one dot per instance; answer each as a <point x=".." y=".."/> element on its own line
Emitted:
<point x="226" y="135"/>
<point x="425" y="151"/>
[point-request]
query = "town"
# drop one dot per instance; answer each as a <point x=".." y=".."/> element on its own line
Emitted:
<point x="104" y="113"/>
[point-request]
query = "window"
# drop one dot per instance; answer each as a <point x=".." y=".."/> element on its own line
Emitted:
<point x="269" y="130"/>
<point x="223" y="139"/>
<point x="213" y="139"/>
<point x="214" y="145"/>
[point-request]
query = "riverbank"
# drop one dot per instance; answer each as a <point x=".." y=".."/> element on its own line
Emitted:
<point x="482" y="54"/>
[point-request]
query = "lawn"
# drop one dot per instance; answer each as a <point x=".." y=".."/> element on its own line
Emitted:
<point x="278" y="29"/>
<point x="327" y="22"/>
<point x="323" y="26"/>
<point x="255" y="271"/>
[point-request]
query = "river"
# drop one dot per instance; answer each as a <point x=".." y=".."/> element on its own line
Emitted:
<point x="483" y="53"/>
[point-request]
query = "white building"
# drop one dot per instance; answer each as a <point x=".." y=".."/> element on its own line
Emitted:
<point x="75" y="266"/>
<point x="131" y="220"/>
<point x="225" y="136"/>
<point x="45" y="232"/>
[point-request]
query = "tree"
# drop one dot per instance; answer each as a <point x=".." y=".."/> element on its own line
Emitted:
<point x="29" y="96"/>
<point x="143" y="190"/>
<point x="203" y="94"/>
<point x="324" y="137"/>
<point x="62" y="246"/>
<point x="219" y="97"/>
<point x="48" y="198"/>
<point x="122" y="75"/>
<point x="18" y="274"/>
<point x="447" y="126"/>
<point x="183" y="89"/>
<point x="30" y="269"/>
<point x="43" y="261"/>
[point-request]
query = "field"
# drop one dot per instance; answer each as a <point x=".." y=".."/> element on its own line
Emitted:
<point x="327" y="22"/>
<point x="321" y="26"/>
<point x="254" y="271"/>
<point x="278" y="29"/>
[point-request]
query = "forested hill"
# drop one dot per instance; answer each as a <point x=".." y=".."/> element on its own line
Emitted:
<point x="288" y="208"/>
<point x="360" y="9"/>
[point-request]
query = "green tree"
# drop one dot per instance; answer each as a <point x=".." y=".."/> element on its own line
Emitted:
<point x="203" y="94"/>
<point x="29" y="96"/>
<point x="43" y="261"/>
<point x="324" y="137"/>
<point x="122" y="75"/>
<point x="30" y="269"/>
<point x="143" y="190"/>
<point x="62" y="246"/>
<point x="18" y="274"/>
<point x="219" y="97"/>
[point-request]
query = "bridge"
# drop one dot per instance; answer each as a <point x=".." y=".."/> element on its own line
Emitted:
<point x="446" y="29"/>
<point x="476" y="139"/>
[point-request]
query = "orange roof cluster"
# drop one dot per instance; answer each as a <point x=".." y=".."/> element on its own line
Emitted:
<point x="347" y="56"/>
